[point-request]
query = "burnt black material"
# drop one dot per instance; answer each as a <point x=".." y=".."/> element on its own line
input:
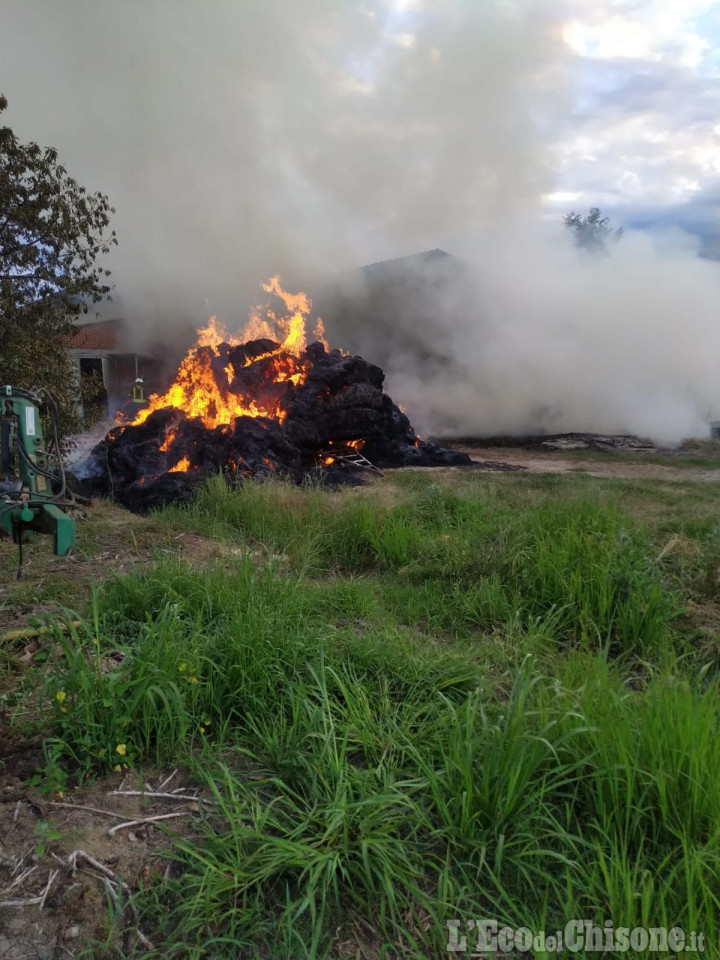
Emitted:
<point x="341" y="400"/>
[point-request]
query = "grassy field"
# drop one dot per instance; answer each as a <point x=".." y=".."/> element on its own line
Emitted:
<point x="446" y="695"/>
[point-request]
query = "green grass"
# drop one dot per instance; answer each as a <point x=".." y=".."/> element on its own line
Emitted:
<point x="427" y="701"/>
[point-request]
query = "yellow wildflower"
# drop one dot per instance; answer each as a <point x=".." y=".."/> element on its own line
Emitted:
<point x="60" y="696"/>
<point x="182" y="668"/>
<point x="192" y="679"/>
<point x="118" y="768"/>
<point x="121" y="748"/>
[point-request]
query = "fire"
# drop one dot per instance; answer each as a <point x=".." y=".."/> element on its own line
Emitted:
<point x="182" y="466"/>
<point x="214" y="334"/>
<point x="355" y="444"/>
<point x="201" y="385"/>
<point x="319" y="334"/>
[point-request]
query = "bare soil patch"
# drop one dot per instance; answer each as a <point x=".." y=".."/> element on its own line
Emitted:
<point x="609" y="466"/>
<point x="61" y="869"/>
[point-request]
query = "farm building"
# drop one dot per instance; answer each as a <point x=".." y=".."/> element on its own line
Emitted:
<point x="100" y="348"/>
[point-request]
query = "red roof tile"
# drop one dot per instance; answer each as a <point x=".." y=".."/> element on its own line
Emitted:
<point x="96" y="336"/>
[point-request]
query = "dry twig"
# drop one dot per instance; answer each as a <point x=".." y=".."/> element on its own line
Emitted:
<point x="167" y="780"/>
<point x="79" y="806"/>
<point x="19" y="903"/>
<point x="112" y="892"/>
<point x="153" y="793"/>
<point x="134" y="823"/>
<point x="143" y="939"/>
<point x="72" y="860"/>
<point x="17" y="880"/>
<point x="51" y="880"/>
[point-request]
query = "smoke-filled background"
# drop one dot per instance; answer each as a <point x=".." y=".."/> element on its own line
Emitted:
<point x="237" y="140"/>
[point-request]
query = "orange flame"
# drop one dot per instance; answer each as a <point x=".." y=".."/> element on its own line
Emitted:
<point x="182" y="466"/>
<point x="202" y="390"/>
<point x="319" y="333"/>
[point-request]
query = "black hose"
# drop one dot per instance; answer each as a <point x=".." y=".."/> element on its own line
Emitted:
<point x="37" y="469"/>
<point x="57" y="499"/>
<point x="35" y="398"/>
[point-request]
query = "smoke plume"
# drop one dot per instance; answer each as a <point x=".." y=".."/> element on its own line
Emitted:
<point x="308" y="138"/>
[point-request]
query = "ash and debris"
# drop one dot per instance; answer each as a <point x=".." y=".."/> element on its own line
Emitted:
<point x="563" y="441"/>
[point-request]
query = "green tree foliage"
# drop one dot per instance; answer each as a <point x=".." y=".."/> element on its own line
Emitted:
<point x="592" y="232"/>
<point x="52" y="233"/>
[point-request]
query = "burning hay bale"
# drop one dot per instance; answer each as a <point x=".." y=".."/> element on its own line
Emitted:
<point x="254" y="407"/>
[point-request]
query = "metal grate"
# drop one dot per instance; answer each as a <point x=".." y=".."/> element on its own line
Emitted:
<point x="355" y="459"/>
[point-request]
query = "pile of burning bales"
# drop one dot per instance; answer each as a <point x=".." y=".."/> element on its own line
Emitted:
<point x="259" y="404"/>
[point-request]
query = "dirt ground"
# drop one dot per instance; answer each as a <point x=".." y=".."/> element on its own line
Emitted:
<point x="68" y="863"/>
<point x="604" y="465"/>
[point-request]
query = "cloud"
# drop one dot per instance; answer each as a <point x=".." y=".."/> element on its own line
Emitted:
<point x="644" y="127"/>
<point x="697" y="217"/>
<point x="672" y="31"/>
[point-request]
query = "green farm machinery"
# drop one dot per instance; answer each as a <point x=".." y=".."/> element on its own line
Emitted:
<point x="33" y="489"/>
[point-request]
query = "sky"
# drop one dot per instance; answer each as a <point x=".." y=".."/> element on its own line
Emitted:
<point x="241" y="139"/>
<point x="642" y="140"/>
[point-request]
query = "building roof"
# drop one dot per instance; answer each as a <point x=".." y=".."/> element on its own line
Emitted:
<point x="101" y="335"/>
<point x="410" y="260"/>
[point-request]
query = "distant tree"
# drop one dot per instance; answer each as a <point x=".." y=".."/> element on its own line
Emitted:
<point x="52" y="232"/>
<point x="592" y="232"/>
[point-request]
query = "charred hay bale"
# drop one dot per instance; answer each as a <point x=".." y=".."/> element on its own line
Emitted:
<point x="241" y="356"/>
<point x="335" y="371"/>
<point x="357" y="411"/>
<point x="258" y="384"/>
<point x="257" y="445"/>
<point x="340" y="400"/>
<point x="141" y="496"/>
<point x="129" y="453"/>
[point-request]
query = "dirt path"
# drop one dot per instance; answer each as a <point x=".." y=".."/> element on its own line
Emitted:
<point x="609" y="467"/>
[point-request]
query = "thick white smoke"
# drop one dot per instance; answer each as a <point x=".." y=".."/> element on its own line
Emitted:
<point x="552" y="340"/>
<point x="241" y="139"/>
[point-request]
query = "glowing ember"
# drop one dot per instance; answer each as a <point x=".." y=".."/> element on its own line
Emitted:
<point x="182" y="466"/>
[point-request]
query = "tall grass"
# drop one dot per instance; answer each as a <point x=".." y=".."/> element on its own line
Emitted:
<point x="434" y="810"/>
<point x="383" y="752"/>
<point x="463" y="562"/>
